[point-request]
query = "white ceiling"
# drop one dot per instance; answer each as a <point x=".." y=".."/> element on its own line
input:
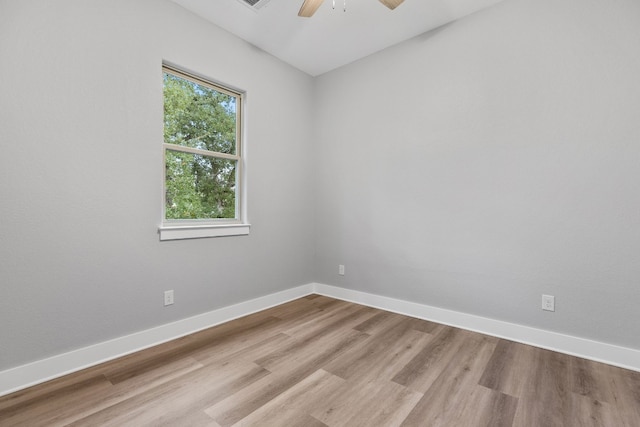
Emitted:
<point x="332" y="37"/>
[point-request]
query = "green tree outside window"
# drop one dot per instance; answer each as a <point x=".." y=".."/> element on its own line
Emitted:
<point x="201" y="149"/>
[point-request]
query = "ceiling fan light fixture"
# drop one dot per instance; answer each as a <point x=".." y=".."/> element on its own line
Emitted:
<point x="309" y="7"/>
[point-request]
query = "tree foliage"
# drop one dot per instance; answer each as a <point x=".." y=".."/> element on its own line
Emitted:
<point x="199" y="186"/>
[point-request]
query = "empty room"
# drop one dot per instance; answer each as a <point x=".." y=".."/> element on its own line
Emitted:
<point x="319" y="213"/>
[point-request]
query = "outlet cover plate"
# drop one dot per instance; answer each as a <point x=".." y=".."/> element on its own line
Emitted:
<point x="548" y="303"/>
<point x="168" y="297"/>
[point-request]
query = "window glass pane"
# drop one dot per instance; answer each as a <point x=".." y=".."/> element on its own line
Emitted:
<point x="198" y="116"/>
<point x="199" y="187"/>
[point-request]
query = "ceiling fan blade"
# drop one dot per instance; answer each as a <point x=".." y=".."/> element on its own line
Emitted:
<point x="309" y="7"/>
<point x="391" y="4"/>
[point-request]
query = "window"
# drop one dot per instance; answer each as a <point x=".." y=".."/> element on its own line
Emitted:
<point x="202" y="158"/>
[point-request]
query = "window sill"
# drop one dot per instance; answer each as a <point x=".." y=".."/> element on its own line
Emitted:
<point x="178" y="232"/>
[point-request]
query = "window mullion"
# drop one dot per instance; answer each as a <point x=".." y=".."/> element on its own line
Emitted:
<point x="208" y="153"/>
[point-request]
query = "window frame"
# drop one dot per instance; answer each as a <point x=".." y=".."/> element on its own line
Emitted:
<point x="174" y="229"/>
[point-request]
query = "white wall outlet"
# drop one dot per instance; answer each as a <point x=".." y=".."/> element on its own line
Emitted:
<point x="168" y="297"/>
<point x="341" y="270"/>
<point x="548" y="303"/>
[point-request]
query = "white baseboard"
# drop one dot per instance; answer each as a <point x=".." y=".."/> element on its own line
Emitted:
<point x="40" y="371"/>
<point x="623" y="357"/>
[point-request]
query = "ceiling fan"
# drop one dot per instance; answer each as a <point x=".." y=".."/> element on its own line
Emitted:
<point x="309" y="7"/>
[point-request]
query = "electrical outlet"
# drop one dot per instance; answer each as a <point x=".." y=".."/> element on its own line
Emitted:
<point x="341" y="270"/>
<point x="168" y="297"/>
<point x="548" y="303"/>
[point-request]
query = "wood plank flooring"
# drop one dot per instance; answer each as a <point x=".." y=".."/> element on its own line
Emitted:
<point x="318" y="361"/>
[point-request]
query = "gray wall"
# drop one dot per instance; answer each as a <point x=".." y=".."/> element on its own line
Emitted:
<point x="472" y="168"/>
<point x="495" y="159"/>
<point x="81" y="174"/>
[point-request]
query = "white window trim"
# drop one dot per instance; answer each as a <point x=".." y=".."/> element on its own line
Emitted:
<point x="197" y="229"/>
<point x="201" y="231"/>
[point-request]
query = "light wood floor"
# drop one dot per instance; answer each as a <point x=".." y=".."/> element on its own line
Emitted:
<point x="318" y="361"/>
